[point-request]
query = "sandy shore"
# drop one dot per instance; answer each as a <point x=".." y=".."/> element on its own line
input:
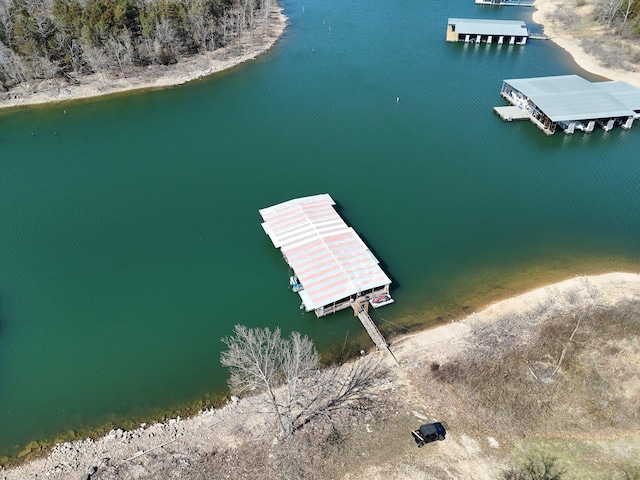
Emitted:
<point x="159" y="76"/>
<point x="155" y="448"/>
<point x="570" y="42"/>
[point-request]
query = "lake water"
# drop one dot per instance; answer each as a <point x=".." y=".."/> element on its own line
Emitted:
<point x="130" y="239"/>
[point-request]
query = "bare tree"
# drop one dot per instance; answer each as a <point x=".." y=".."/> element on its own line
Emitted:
<point x="606" y="10"/>
<point x="13" y="70"/>
<point x="96" y="58"/>
<point x="542" y="468"/>
<point x="249" y="7"/>
<point x="286" y="371"/>
<point x="7" y="13"/>
<point x="626" y="7"/>
<point x="165" y="42"/>
<point x="121" y="52"/>
<point x="227" y="29"/>
<point x="199" y="25"/>
<point x="265" y="6"/>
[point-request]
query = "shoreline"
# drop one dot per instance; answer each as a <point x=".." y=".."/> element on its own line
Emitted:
<point x="226" y="428"/>
<point x="210" y="63"/>
<point x="454" y="334"/>
<point x="158" y="76"/>
<point x="572" y="44"/>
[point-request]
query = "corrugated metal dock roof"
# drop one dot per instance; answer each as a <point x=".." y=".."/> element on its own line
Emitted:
<point x="329" y="258"/>
<point x="571" y="97"/>
<point x="473" y="26"/>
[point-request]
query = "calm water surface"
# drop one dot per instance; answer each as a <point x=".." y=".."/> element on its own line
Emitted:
<point x="130" y="239"/>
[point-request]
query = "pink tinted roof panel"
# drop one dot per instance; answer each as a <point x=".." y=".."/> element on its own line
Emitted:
<point x="328" y="257"/>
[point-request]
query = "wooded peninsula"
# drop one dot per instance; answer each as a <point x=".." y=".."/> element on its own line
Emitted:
<point x="53" y="44"/>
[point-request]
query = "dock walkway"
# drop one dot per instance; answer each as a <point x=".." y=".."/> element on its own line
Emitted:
<point x="538" y="36"/>
<point x="372" y="329"/>
<point x="511" y="113"/>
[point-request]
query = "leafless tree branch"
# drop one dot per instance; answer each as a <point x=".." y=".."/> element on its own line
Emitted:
<point x="287" y="372"/>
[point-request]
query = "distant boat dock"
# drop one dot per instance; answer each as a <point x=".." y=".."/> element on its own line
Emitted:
<point x="571" y="103"/>
<point x="503" y="3"/>
<point x="332" y="267"/>
<point x="472" y="30"/>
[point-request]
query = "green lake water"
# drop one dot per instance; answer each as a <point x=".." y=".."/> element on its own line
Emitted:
<point x="130" y="239"/>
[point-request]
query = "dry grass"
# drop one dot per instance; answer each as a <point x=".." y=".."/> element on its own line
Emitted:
<point x="550" y="376"/>
<point x="571" y="372"/>
<point x="558" y="387"/>
<point x="614" y="51"/>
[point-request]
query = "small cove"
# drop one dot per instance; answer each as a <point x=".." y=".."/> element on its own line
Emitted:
<point x="131" y="240"/>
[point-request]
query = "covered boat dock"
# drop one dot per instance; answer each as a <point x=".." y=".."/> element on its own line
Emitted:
<point x="471" y="30"/>
<point x="572" y="103"/>
<point x="333" y="268"/>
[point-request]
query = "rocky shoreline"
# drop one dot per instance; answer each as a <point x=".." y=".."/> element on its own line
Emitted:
<point x="172" y="446"/>
<point x="177" y="446"/>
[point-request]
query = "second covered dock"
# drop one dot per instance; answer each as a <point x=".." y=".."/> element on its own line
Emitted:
<point x="572" y="103"/>
<point x="471" y="30"/>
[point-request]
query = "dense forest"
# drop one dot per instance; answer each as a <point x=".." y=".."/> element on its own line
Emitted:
<point x="63" y="39"/>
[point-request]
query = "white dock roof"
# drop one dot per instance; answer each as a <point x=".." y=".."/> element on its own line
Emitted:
<point x="474" y="26"/>
<point x="571" y="97"/>
<point x="329" y="258"/>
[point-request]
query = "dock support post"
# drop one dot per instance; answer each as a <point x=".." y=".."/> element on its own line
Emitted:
<point x="359" y="306"/>
<point x="570" y="129"/>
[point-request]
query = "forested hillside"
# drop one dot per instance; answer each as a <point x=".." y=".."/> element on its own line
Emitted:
<point x="63" y="39"/>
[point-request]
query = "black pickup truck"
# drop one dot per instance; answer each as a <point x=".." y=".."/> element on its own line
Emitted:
<point x="429" y="433"/>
